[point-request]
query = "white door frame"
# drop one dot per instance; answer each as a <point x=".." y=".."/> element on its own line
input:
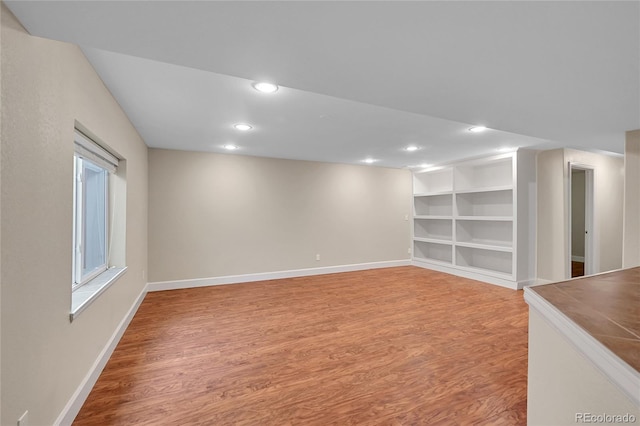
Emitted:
<point x="590" y="240"/>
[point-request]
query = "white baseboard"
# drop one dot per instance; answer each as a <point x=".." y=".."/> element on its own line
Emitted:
<point x="478" y="276"/>
<point x="526" y="283"/>
<point x="78" y="398"/>
<point x="540" y="281"/>
<point x="461" y="272"/>
<point x="263" y="276"/>
<point x="577" y="258"/>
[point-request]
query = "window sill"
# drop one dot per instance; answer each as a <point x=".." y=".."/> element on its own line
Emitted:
<point x="85" y="295"/>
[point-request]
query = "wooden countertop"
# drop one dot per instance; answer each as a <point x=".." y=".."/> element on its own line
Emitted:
<point x="606" y="306"/>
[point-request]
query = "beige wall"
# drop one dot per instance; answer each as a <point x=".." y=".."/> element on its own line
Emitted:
<point x="553" y="220"/>
<point x="46" y="85"/>
<point x="213" y="215"/>
<point x="631" y="243"/>
<point x="550" y="215"/>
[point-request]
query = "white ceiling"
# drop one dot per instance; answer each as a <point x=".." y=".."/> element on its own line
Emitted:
<point x="362" y="79"/>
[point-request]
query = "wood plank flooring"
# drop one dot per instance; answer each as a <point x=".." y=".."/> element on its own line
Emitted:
<point x="577" y="269"/>
<point x="396" y="346"/>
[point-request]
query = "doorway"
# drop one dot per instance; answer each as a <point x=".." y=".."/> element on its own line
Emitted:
<point x="580" y="259"/>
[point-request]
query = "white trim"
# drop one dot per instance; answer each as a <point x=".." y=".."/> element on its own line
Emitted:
<point x="84" y="295"/>
<point x="78" y="398"/>
<point x="526" y="283"/>
<point x="591" y="263"/>
<point x="263" y="276"/>
<point x="474" y="274"/>
<point x="577" y="258"/>
<point x="433" y="194"/>
<point x="625" y="377"/>
<point x="87" y="148"/>
<point x="540" y="281"/>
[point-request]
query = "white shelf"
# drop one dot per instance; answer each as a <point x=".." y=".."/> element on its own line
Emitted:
<point x="474" y="217"/>
<point x="432" y="194"/>
<point x="433" y="240"/>
<point x="486" y="218"/>
<point x="489" y="233"/>
<point x="433" y="205"/>
<point x="485" y="189"/>
<point x="485" y="173"/>
<point x="484" y="271"/>
<point x="483" y="259"/>
<point x="432" y="262"/>
<point x="434" y="229"/>
<point x="442" y="252"/>
<point x="485" y="246"/>
<point x="486" y="203"/>
<point x="433" y="217"/>
<point x="433" y="181"/>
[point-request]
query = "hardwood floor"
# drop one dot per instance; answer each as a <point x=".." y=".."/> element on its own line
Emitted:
<point x="396" y="346"/>
<point x="577" y="269"/>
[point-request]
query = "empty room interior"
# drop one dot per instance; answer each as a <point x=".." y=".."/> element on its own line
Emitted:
<point x="319" y="212"/>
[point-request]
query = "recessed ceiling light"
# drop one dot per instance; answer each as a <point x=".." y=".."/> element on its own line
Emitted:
<point x="265" y="87"/>
<point x="411" y="148"/>
<point x="230" y="147"/>
<point x="369" y="160"/>
<point x="242" y="126"/>
<point x="477" y="129"/>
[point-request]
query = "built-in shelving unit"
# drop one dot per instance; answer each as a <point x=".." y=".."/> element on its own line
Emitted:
<point x="473" y="218"/>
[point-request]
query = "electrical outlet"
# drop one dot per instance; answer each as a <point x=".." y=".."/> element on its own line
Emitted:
<point x="406" y="217"/>
<point x="409" y="250"/>
<point x="24" y="419"/>
<point x="317" y="256"/>
<point x="144" y="274"/>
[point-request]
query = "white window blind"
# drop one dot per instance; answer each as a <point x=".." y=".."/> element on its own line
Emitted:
<point x="86" y="148"/>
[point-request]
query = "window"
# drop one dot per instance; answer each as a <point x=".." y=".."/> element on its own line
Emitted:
<point x="92" y="165"/>
<point x="99" y="222"/>
<point x="91" y="218"/>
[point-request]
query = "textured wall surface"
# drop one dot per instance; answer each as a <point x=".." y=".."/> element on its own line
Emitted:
<point x="213" y="215"/>
<point x="46" y="87"/>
